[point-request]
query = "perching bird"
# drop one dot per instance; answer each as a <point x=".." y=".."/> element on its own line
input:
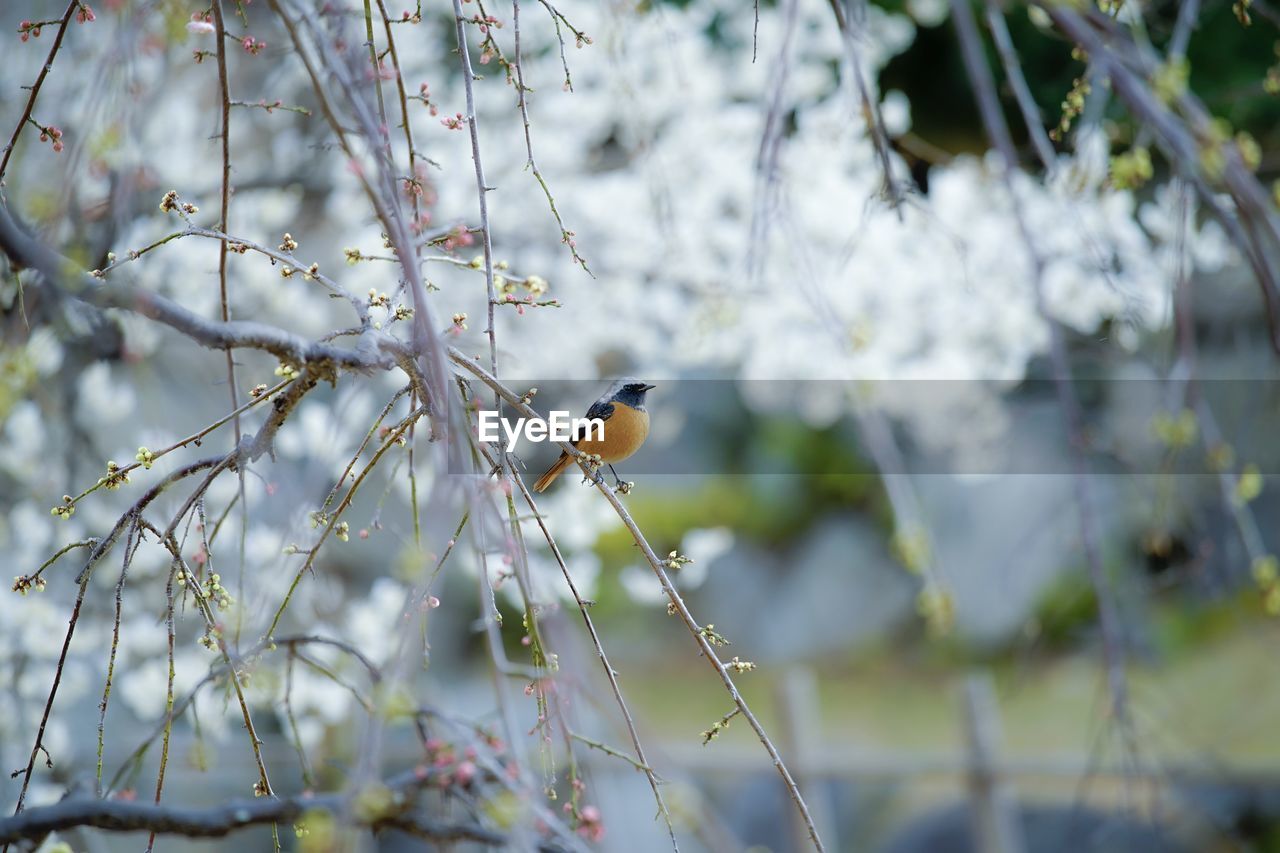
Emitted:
<point x="626" y="425"/>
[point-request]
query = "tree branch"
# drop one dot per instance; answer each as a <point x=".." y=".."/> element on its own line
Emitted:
<point x="63" y="274"/>
<point x="236" y="815"/>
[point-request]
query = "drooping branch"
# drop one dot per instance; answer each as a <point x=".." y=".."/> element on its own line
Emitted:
<point x="99" y="551"/>
<point x="566" y="236"/>
<point x="641" y="762"/>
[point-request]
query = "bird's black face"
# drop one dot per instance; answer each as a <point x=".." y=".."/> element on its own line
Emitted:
<point x="632" y="394"/>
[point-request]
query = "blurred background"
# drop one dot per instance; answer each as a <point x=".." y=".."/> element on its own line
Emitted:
<point x="911" y="463"/>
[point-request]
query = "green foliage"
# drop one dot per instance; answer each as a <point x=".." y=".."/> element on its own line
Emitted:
<point x="1065" y="611"/>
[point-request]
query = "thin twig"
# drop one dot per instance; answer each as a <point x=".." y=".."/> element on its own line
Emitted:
<point x="225" y="205"/>
<point x="870" y="109"/>
<point x="641" y="762"/>
<point x="415" y="190"/>
<point x="566" y="236"/>
<point x="482" y="189"/>
<point x="35" y="87"/>
<point x="766" y="166"/>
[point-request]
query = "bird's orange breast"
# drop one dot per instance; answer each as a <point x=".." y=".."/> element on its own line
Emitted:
<point x="624" y="431"/>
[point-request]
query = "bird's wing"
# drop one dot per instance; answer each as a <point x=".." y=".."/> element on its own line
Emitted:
<point x="601" y="409"/>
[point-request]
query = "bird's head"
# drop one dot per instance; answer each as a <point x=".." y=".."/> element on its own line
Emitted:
<point x="631" y="393"/>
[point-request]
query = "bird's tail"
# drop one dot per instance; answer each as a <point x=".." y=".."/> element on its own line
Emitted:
<point x="554" y="471"/>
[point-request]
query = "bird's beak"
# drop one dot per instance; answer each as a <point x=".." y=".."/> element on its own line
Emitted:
<point x="650" y="387"/>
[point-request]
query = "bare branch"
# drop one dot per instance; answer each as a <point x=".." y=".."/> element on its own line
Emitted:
<point x="482" y="190"/>
<point x="35" y="87"/>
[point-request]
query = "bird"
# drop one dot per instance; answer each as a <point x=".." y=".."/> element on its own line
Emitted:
<point x="626" y="426"/>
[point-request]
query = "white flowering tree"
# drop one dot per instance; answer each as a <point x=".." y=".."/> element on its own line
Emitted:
<point x="286" y="248"/>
